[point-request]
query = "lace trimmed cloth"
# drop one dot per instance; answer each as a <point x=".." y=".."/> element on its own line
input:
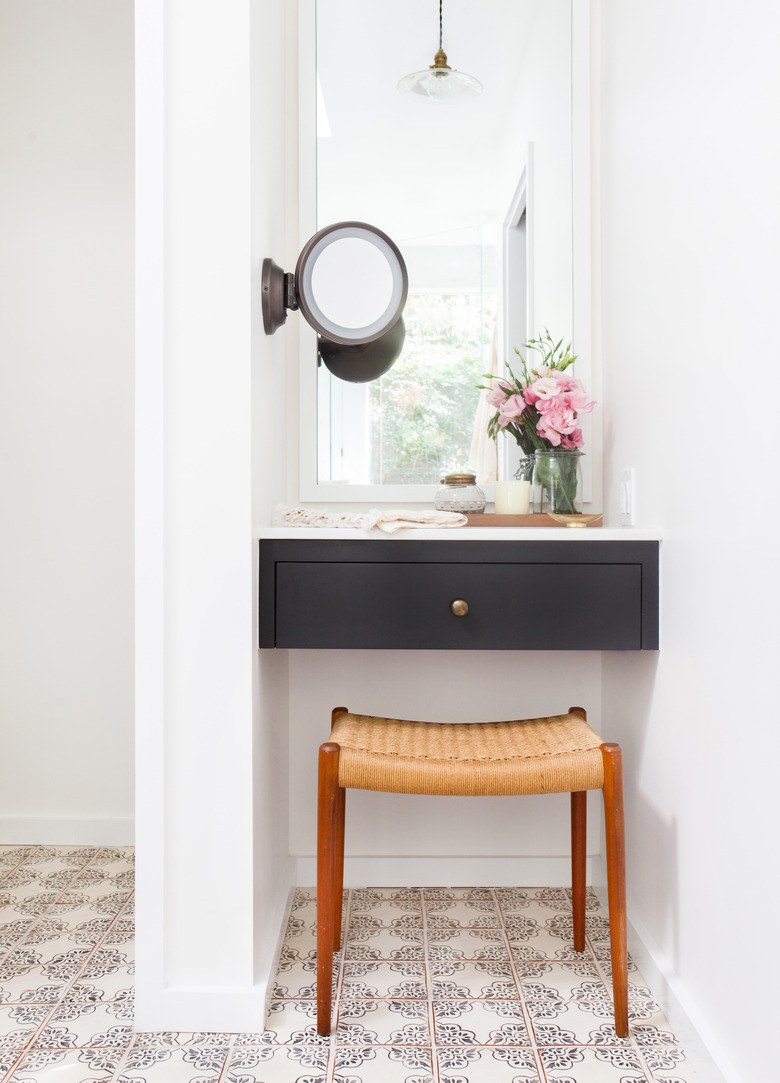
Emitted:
<point x="389" y="521"/>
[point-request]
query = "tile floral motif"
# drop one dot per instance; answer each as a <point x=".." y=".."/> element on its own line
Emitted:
<point x="467" y="913"/>
<point x="487" y="1066"/>
<point x="485" y="978"/>
<point x="67" y="1066"/>
<point x="385" y="944"/>
<point x="383" y="1022"/>
<point x="393" y="980"/>
<point x="276" y="1065"/>
<point x="455" y="944"/>
<point x="432" y="985"/>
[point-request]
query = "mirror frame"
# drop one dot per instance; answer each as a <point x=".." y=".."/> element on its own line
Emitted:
<point x="311" y="490"/>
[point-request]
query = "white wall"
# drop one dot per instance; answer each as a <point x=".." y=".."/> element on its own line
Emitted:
<point x="66" y="448"/>
<point x="690" y="235"/>
<point x="212" y="845"/>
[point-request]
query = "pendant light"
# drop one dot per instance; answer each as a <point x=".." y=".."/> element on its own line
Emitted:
<point x="440" y="82"/>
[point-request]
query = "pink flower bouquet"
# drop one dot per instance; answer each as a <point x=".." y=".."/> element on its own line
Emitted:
<point x="539" y="406"/>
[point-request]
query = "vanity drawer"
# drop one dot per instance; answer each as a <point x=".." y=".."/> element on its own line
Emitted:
<point x="553" y="599"/>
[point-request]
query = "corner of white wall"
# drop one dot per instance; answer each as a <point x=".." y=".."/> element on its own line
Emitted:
<point x="212" y="865"/>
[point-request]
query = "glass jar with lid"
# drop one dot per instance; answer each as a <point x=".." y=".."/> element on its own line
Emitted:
<point x="460" y="492"/>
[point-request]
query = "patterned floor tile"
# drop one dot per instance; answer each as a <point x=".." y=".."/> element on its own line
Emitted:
<point x="296" y="980"/>
<point x="13" y="855"/>
<point x="505" y="1065"/>
<point x="293" y="1022"/>
<point x="455" y="944"/>
<point x="455" y="893"/>
<point x="461" y="913"/>
<point x="460" y="985"/>
<point x="661" y="1050"/>
<point x="389" y="911"/>
<point x="67" y="1066"/>
<point x="382" y="1064"/>
<point x="25" y="903"/>
<point x="484" y="978"/>
<point x="511" y="898"/>
<point x="8" y="1058"/>
<point x="65" y="918"/>
<point x="83" y="1025"/>
<point x="383" y="943"/>
<point x="17" y="1026"/>
<point x="559" y="1022"/>
<point x="480" y="1022"/>
<point x="174" y="1064"/>
<point x="104" y="895"/>
<point x="383" y="1022"/>
<point x="361" y="894"/>
<point x="116" y="984"/>
<point x="303" y="915"/>
<point x="604" y="1065"/>
<point x="545" y="978"/>
<point x="384" y="980"/>
<point x="30" y="985"/>
<point x="12" y="933"/>
<point x="531" y="939"/>
<point x="274" y="1065"/>
<point x="386" y="917"/>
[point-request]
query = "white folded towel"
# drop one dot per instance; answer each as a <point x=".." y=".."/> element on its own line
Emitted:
<point x="389" y="521"/>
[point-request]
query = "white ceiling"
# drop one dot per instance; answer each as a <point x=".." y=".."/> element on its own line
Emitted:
<point x="414" y="168"/>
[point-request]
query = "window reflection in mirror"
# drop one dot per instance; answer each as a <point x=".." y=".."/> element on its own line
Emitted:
<point x="440" y="181"/>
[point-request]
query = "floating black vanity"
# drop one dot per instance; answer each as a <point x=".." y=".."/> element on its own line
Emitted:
<point x="587" y="593"/>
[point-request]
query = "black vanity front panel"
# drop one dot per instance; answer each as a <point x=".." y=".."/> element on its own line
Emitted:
<point x="399" y="595"/>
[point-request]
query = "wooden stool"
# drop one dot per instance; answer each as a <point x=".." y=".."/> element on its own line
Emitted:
<point x="561" y="754"/>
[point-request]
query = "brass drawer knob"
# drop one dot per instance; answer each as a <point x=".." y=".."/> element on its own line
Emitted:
<point x="459" y="607"/>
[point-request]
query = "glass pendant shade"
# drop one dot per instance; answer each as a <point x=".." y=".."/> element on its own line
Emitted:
<point x="440" y="83"/>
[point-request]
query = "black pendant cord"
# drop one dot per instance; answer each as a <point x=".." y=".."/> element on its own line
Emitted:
<point x="441" y="32"/>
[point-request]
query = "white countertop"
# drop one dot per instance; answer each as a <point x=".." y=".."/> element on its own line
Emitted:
<point x="468" y="533"/>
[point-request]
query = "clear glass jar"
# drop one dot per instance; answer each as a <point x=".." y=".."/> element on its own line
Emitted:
<point x="460" y="492"/>
<point x="557" y="485"/>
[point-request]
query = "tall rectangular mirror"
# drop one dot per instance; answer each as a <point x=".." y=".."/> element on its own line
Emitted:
<point x="478" y="197"/>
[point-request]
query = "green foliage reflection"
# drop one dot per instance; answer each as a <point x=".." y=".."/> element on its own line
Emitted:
<point x="422" y="410"/>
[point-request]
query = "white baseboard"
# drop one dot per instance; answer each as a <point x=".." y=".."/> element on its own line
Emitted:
<point x="29" y="831"/>
<point x="219" y="1010"/>
<point x="446" y="871"/>
<point x="701" y="1046"/>
<point x="282" y="907"/>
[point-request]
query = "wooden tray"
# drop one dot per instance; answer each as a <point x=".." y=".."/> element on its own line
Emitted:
<point x="519" y="520"/>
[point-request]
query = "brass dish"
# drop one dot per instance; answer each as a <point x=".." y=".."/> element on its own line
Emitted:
<point x="574" y="520"/>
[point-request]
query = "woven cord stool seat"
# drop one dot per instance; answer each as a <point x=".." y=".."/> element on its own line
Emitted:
<point x="534" y="755"/>
<point x="553" y="754"/>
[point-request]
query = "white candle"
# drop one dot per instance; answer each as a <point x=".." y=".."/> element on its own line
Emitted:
<point x="512" y="497"/>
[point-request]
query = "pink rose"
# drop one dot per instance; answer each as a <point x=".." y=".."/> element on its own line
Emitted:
<point x="577" y="399"/>
<point x="556" y="422"/>
<point x="497" y="394"/>
<point x="572" y="440"/>
<point x="512" y="408"/>
<point x="541" y="390"/>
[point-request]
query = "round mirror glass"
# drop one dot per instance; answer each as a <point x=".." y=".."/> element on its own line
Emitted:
<point x="351" y="282"/>
<point x="370" y="288"/>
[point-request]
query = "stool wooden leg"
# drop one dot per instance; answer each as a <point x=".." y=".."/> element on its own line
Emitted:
<point x="338" y="886"/>
<point x="579" y="812"/>
<point x="616" y="881"/>
<point x="327" y="804"/>
<point x="338" y="879"/>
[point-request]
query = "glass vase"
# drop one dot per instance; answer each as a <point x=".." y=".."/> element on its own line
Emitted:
<point x="557" y="484"/>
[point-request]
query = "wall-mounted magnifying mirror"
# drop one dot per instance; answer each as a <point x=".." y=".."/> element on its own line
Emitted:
<point x="350" y="283"/>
